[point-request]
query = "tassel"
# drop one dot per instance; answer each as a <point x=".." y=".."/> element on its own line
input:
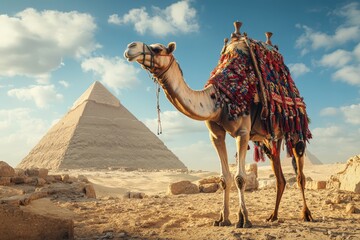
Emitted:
<point x="256" y="153"/>
<point x="291" y="124"/>
<point x="286" y="125"/>
<point x="289" y="147"/>
<point x="262" y="157"/>
<point x="298" y="124"/>
<point x="274" y="150"/>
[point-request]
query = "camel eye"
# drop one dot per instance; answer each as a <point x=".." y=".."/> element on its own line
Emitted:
<point x="156" y="50"/>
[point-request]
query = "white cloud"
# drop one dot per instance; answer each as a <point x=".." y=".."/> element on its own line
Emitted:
<point x="115" y="72"/>
<point x="298" y="69"/>
<point x="34" y="43"/>
<point x="20" y="132"/>
<point x="175" y="122"/>
<point x="64" y="83"/>
<point x="336" y="59"/>
<point x="332" y="131"/>
<point x="114" y="19"/>
<point x="329" y="111"/>
<point x="348" y="32"/>
<point x="356" y="52"/>
<point x="335" y="143"/>
<point x="179" y="17"/>
<point x="352" y="113"/>
<point x="42" y="95"/>
<point x="350" y="12"/>
<point x="348" y="74"/>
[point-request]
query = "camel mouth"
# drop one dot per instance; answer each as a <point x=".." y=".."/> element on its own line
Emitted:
<point x="130" y="57"/>
<point x="131" y="53"/>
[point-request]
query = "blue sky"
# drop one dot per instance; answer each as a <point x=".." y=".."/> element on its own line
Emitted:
<point x="52" y="51"/>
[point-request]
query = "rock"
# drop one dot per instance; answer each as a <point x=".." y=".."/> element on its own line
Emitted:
<point x="66" y="190"/>
<point x="315" y="185"/>
<point x="89" y="191"/>
<point x="337" y="199"/>
<point x="40" y="182"/>
<point x="267" y="183"/>
<point x="50" y="179"/>
<point x="19" y="223"/>
<point x="252" y="168"/>
<point x="23" y="199"/>
<point x="209" y="180"/>
<point x="6" y="170"/>
<point x="82" y="178"/>
<point x="349" y="178"/>
<point x="183" y="187"/>
<point x="5" y="181"/>
<point x="9" y="191"/>
<point x="65" y="178"/>
<point x="291" y="180"/>
<point x="18" y="180"/>
<point x="19" y="172"/>
<point x="209" y="187"/>
<point x="350" y="208"/>
<point x="251" y="181"/>
<point x="57" y="177"/>
<point x="137" y="195"/>
<point x="37" y="172"/>
<point x="333" y="182"/>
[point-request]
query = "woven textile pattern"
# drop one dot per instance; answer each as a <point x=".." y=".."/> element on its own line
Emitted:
<point x="237" y="84"/>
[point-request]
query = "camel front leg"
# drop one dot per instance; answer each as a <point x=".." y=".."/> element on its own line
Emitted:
<point x="298" y="152"/>
<point x="217" y="137"/>
<point x="242" y="141"/>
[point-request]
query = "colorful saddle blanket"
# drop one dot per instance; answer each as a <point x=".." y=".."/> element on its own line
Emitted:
<point x="237" y="86"/>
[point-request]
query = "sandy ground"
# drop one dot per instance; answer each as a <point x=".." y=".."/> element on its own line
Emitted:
<point x="160" y="216"/>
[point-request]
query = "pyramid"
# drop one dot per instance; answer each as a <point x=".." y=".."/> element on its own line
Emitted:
<point x="309" y="160"/>
<point x="99" y="132"/>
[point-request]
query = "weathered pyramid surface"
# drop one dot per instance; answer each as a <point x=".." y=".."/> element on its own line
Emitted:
<point x="98" y="132"/>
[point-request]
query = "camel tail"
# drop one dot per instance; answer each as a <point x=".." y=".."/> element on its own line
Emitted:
<point x="293" y="161"/>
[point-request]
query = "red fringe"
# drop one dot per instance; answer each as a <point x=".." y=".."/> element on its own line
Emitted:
<point x="256" y="154"/>
<point x="274" y="150"/>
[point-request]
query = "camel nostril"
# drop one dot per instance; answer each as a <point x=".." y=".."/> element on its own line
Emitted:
<point x="133" y="44"/>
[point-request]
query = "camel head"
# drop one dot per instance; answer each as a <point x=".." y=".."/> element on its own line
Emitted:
<point x="155" y="58"/>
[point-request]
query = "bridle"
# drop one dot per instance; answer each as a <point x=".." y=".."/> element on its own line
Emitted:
<point x="156" y="76"/>
<point x="151" y="67"/>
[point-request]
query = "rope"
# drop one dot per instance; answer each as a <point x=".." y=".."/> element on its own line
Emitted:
<point x="159" y="127"/>
<point x="157" y="87"/>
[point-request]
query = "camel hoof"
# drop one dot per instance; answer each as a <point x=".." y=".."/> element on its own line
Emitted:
<point x="239" y="225"/>
<point x="225" y="223"/>
<point x="247" y="224"/>
<point x="307" y="216"/>
<point x="272" y="218"/>
<point x="222" y="223"/>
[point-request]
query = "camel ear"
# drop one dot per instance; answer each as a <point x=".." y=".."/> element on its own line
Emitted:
<point x="171" y="47"/>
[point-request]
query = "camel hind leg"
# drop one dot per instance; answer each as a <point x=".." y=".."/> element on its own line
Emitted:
<point x="298" y="152"/>
<point x="280" y="179"/>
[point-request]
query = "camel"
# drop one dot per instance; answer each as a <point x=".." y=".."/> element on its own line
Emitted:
<point x="202" y="105"/>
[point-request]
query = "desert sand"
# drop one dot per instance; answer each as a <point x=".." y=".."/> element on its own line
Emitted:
<point x="162" y="216"/>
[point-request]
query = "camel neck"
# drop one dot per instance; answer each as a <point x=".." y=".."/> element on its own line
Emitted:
<point x="196" y="104"/>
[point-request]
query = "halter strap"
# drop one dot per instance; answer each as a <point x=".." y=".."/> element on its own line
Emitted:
<point x="161" y="73"/>
<point x="152" y="64"/>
